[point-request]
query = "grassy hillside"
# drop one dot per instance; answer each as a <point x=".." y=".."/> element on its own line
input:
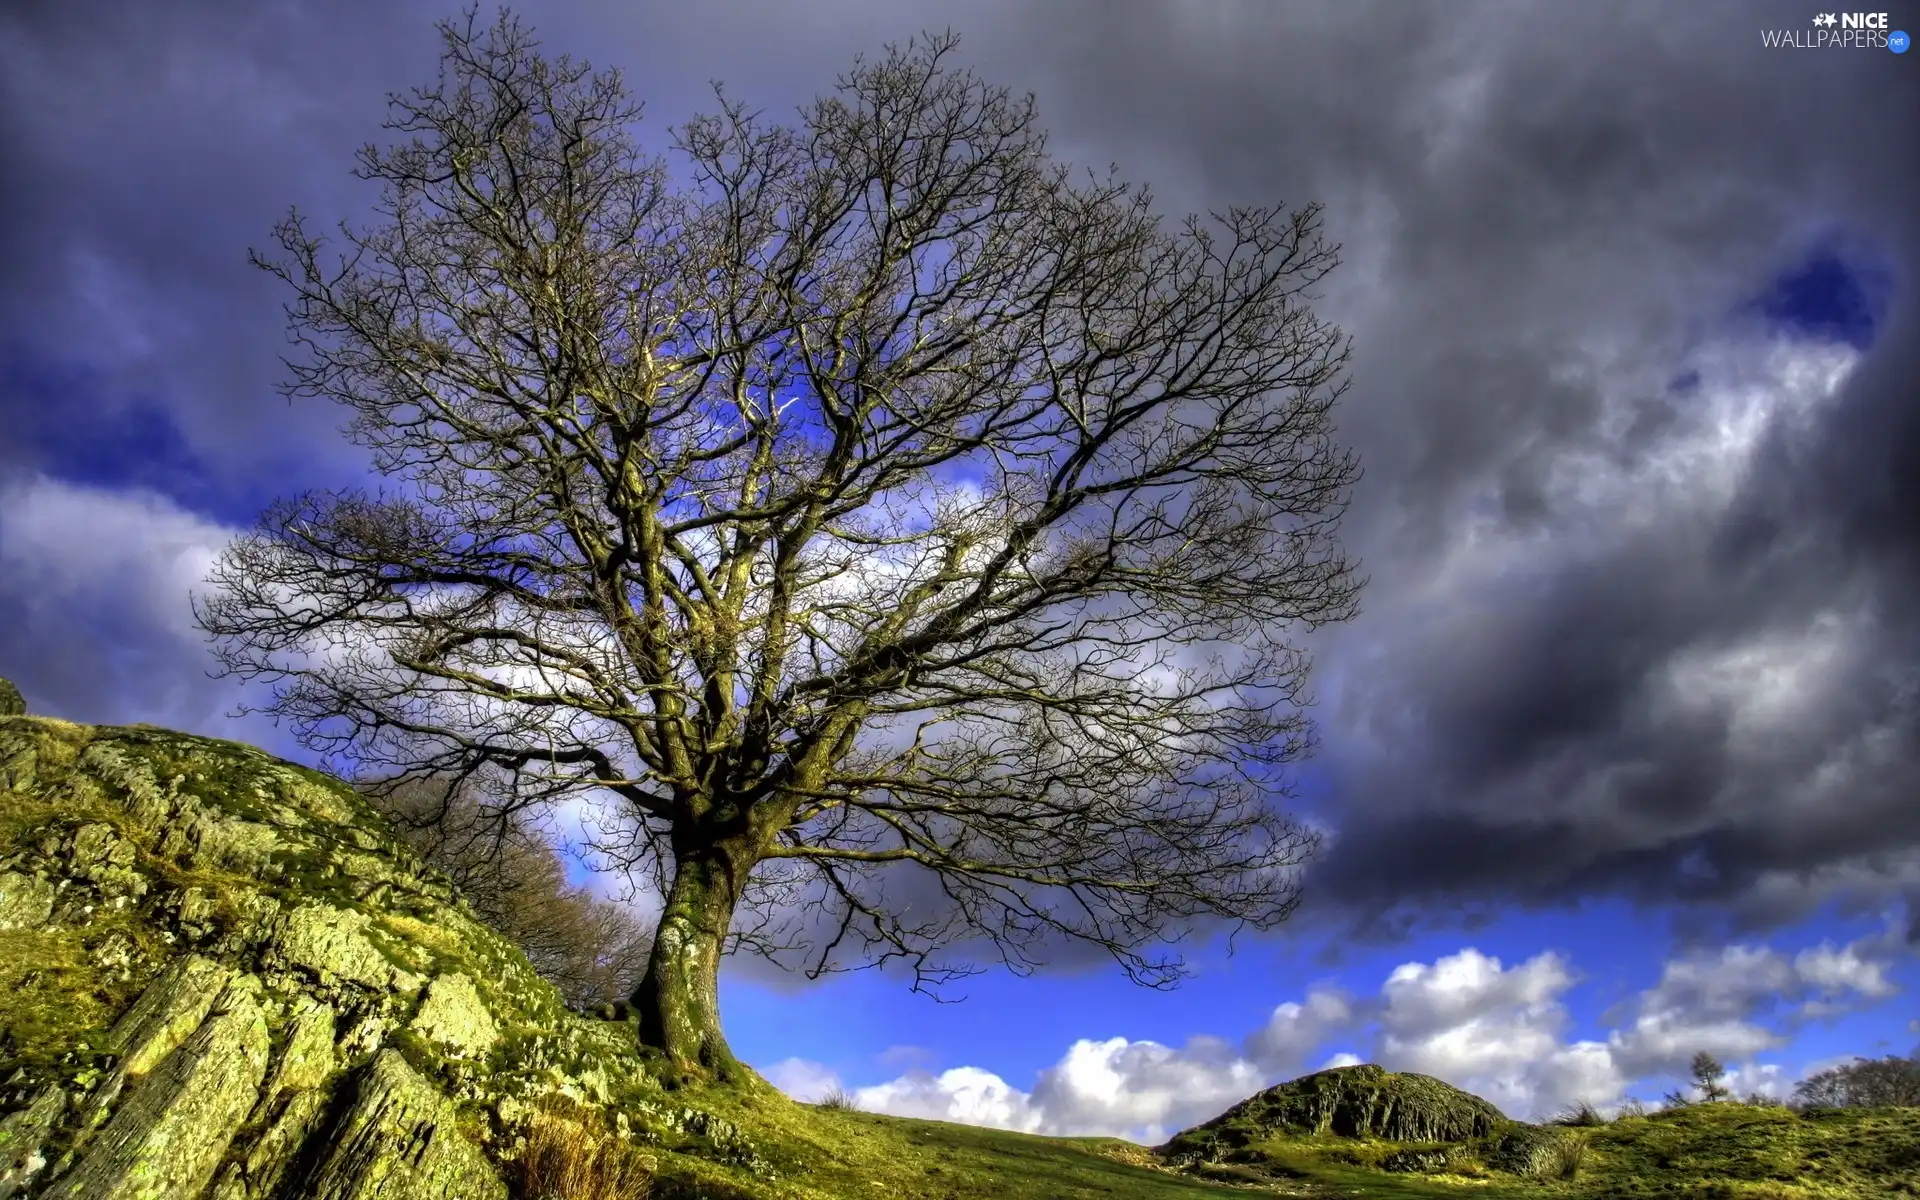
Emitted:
<point x="825" y="1153"/>
<point x="1706" y="1152"/>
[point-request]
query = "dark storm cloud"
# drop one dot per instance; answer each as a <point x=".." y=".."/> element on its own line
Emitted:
<point x="1567" y="202"/>
<point x="146" y="147"/>
<point x="1700" y="688"/>
<point x="1608" y="647"/>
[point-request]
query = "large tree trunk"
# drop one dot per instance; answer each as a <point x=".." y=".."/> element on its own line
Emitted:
<point x="678" y="1000"/>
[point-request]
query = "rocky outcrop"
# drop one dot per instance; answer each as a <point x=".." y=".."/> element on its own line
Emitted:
<point x="1531" y="1150"/>
<point x="222" y="976"/>
<point x="1357" y="1102"/>
<point x="1402" y="1123"/>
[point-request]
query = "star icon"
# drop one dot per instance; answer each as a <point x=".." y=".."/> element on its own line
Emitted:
<point x="1826" y="19"/>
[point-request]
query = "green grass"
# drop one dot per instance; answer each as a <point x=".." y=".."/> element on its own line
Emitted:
<point x="1710" y="1151"/>
<point x="1707" y="1152"/>
<point x="822" y="1152"/>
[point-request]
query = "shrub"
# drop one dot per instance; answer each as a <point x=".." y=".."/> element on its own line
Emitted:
<point x="840" y="1100"/>
<point x="1567" y="1157"/>
<point x="1581" y="1113"/>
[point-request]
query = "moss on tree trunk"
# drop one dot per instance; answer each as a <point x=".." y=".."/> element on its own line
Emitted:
<point x="678" y="1000"/>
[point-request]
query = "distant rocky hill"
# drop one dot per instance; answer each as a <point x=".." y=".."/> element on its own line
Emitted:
<point x="222" y="975"/>
<point x="1364" y="1131"/>
<point x="1408" y="1122"/>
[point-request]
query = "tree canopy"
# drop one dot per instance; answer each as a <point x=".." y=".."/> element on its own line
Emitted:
<point x="870" y="508"/>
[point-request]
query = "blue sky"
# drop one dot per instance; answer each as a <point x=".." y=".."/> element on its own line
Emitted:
<point x="1618" y="761"/>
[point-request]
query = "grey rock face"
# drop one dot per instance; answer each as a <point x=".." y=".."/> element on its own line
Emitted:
<point x="25" y="902"/>
<point x="167" y="1013"/>
<point x="24" y="1138"/>
<point x="1529" y="1150"/>
<point x="399" y="1142"/>
<point x="331" y="946"/>
<point x="455" y="1018"/>
<point x="165" y="1140"/>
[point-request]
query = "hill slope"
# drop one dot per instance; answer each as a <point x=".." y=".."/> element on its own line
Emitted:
<point x="223" y="977"/>
<point x="1363" y="1131"/>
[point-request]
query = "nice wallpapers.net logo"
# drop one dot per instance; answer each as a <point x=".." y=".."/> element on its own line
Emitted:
<point x="1840" y="31"/>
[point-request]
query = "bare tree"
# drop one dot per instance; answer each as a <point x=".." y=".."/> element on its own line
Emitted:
<point x="875" y="497"/>
<point x="1863" y="1083"/>
<point x="593" y="950"/>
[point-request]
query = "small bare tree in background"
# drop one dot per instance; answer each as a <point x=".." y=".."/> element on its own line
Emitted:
<point x="593" y="950"/>
<point x="878" y="506"/>
<point x="1863" y="1083"/>
<point x="1707" y="1075"/>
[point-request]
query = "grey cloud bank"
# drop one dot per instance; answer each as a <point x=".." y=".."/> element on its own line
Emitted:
<point x="1643" y="546"/>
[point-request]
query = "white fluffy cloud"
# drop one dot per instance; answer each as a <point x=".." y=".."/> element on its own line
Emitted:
<point x="1717" y="1001"/>
<point x="1296" y="1028"/>
<point x="1115" y="1087"/>
<point x="1142" y="1089"/>
<point x="1496" y="1030"/>
<point x="64" y="545"/>
<point x="94" y="584"/>
<point x="965" y="1094"/>
<point x="806" y="1081"/>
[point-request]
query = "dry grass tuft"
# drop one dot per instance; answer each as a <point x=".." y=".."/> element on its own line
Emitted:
<point x="1579" y="1115"/>
<point x="569" y="1155"/>
<point x="840" y="1100"/>
<point x="1568" y="1156"/>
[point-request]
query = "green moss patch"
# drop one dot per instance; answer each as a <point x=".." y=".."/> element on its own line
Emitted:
<point x="54" y="1002"/>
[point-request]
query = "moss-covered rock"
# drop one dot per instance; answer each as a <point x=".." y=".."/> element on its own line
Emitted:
<point x="1538" y="1152"/>
<point x="1353" y="1102"/>
<point x="25" y="901"/>
<point x="11" y="702"/>
<point x="394" y="1106"/>
<point x="223" y="977"/>
<point x="1369" y="1118"/>
<point x="454" y="1018"/>
<point x="169" y="1133"/>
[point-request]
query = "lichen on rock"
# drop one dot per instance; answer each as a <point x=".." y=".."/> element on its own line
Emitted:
<point x="454" y="1017"/>
<point x="1529" y="1150"/>
<point x="332" y="947"/>
<point x="400" y="1141"/>
<point x="231" y="981"/>
<point x="168" y="1012"/>
<point x="167" y="1137"/>
<point x="25" y="902"/>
